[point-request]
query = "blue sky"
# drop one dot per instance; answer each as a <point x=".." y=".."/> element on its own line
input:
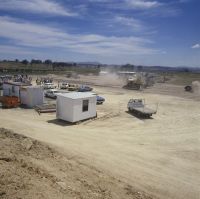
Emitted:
<point x="148" y="32"/>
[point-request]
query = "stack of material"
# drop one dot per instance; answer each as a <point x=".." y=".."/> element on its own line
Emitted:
<point x="10" y="101"/>
<point x="45" y="108"/>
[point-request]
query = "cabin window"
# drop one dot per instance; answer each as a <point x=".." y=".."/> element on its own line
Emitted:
<point x="85" y="105"/>
<point x="13" y="89"/>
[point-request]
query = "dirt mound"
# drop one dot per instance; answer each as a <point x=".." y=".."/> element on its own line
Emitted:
<point x="31" y="169"/>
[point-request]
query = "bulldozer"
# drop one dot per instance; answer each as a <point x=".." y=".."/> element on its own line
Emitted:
<point x="140" y="81"/>
<point x="135" y="82"/>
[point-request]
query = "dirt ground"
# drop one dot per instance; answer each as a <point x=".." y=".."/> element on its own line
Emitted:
<point x="31" y="169"/>
<point x="160" y="156"/>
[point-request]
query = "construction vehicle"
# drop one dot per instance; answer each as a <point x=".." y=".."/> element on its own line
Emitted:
<point x="140" y="109"/>
<point x="139" y="81"/>
<point x="10" y="101"/>
<point x="135" y="82"/>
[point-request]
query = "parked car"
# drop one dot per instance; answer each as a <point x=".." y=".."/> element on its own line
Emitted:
<point x="100" y="100"/>
<point x="52" y="93"/>
<point x="49" y="86"/>
<point x="64" y="85"/>
<point x="73" y="87"/>
<point x="84" y="88"/>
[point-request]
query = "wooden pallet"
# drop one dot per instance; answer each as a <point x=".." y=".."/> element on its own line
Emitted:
<point x="45" y="108"/>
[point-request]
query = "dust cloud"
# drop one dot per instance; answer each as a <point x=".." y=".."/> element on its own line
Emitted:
<point x="111" y="78"/>
<point x="196" y="87"/>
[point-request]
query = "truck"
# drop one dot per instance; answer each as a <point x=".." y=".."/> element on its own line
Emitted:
<point x="64" y="85"/>
<point x="49" y="86"/>
<point x="140" y="109"/>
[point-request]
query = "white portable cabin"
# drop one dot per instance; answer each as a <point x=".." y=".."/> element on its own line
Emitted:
<point x="31" y="96"/>
<point x="13" y="88"/>
<point x="75" y="106"/>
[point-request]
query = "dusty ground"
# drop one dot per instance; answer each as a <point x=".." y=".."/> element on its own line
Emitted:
<point x="160" y="156"/>
<point x="31" y="169"/>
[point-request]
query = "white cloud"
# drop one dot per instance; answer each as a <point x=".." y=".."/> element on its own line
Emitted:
<point x="196" y="46"/>
<point x="143" y="4"/>
<point x="131" y="22"/>
<point x="36" y="6"/>
<point x="136" y="4"/>
<point x="39" y="36"/>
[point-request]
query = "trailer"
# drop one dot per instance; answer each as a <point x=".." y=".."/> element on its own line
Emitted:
<point x="140" y="109"/>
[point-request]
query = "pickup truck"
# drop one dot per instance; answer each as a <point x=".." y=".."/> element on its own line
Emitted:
<point x="139" y="108"/>
<point x="49" y="86"/>
<point x="64" y="85"/>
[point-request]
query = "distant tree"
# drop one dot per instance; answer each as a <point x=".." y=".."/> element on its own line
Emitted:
<point x="36" y="61"/>
<point x="140" y="68"/>
<point x="128" y="67"/>
<point x="186" y="70"/>
<point x="16" y="60"/>
<point x="25" y="62"/>
<point x="48" y="62"/>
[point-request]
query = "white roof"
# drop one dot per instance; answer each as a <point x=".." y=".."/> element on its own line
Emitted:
<point x="32" y="87"/>
<point x="77" y="95"/>
<point x="126" y="72"/>
<point x="48" y="83"/>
